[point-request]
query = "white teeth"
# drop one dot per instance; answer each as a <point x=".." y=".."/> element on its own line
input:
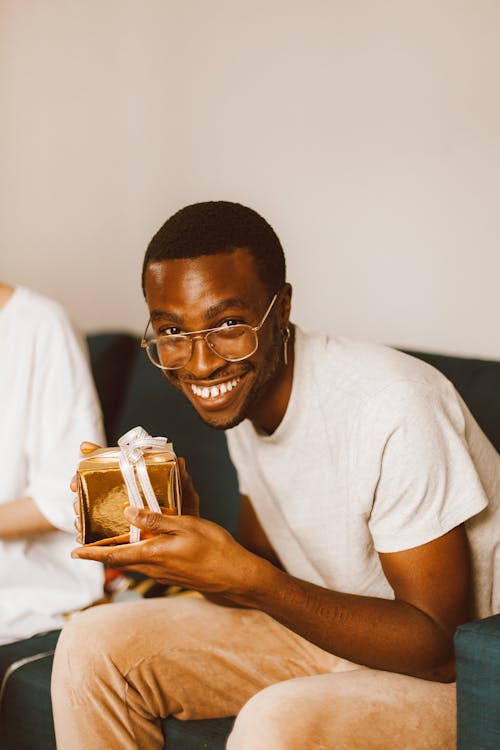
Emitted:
<point x="214" y="390"/>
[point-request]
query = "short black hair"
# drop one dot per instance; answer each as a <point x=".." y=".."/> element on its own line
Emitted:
<point x="216" y="227"/>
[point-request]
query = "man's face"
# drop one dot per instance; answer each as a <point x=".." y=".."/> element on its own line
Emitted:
<point x="206" y="292"/>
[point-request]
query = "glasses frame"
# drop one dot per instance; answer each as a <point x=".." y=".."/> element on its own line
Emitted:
<point x="204" y="333"/>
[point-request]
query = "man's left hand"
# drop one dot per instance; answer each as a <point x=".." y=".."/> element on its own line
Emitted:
<point x="182" y="550"/>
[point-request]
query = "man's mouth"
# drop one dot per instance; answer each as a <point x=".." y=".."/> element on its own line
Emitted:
<point x="215" y="391"/>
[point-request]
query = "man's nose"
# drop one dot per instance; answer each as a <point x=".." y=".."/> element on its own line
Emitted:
<point x="203" y="360"/>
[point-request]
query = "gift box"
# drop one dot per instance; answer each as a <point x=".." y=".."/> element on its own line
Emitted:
<point x="141" y="471"/>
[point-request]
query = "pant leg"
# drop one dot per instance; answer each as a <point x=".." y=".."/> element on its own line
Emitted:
<point x="360" y="710"/>
<point x="118" y="668"/>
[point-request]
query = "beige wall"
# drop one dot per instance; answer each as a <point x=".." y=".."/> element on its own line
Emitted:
<point x="366" y="131"/>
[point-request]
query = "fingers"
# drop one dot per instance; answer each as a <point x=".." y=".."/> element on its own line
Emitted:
<point x="77" y="523"/>
<point x="186" y="482"/>
<point x="115" y="555"/>
<point x="184" y="474"/>
<point x="101" y="554"/>
<point x="190" y="498"/>
<point x="87" y="447"/>
<point x="155" y="523"/>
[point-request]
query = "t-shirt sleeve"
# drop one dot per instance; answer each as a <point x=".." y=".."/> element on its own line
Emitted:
<point x="427" y="482"/>
<point x="64" y="411"/>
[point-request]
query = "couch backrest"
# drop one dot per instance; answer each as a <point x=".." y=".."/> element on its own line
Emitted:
<point x="112" y="357"/>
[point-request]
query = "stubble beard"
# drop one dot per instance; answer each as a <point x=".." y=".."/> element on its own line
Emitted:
<point x="261" y="387"/>
<point x="268" y="374"/>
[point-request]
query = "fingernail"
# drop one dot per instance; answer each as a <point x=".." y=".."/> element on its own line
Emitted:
<point x="131" y="513"/>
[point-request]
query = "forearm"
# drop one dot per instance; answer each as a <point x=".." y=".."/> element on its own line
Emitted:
<point x="392" y="635"/>
<point x="379" y="633"/>
<point x="21" y="518"/>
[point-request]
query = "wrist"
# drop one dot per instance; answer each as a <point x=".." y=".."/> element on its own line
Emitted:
<point x="257" y="579"/>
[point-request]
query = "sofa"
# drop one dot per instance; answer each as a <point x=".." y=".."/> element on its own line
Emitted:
<point x="133" y="392"/>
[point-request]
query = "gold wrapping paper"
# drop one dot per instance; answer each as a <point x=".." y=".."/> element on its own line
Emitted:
<point x="102" y="492"/>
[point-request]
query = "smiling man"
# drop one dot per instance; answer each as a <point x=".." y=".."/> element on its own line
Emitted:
<point x="368" y="522"/>
<point x="229" y="368"/>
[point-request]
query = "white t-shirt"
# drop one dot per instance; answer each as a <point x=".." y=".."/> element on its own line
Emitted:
<point x="48" y="405"/>
<point x="376" y="453"/>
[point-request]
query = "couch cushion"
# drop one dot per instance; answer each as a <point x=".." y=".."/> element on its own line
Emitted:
<point x="199" y="734"/>
<point x="25" y="706"/>
<point x="477" y="647"/>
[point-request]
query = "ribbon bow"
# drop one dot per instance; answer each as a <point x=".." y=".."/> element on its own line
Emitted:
<point x="132" y="446"/>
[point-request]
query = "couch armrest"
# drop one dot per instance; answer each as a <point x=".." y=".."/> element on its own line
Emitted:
<point x="477" y="647"/>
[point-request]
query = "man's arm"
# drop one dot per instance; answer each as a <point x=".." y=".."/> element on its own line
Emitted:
<point x="22" y="517"/>
<point x="431" y="588"/>
<point x="412" y="634"/>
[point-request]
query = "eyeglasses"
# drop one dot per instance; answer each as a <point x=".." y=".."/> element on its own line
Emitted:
<point x="233" y="343"/>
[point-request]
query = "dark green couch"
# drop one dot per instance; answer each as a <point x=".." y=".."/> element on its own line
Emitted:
<point x="133" y="392"/>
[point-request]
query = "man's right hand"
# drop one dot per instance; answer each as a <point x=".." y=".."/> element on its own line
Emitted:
<point x="85" y="449"/>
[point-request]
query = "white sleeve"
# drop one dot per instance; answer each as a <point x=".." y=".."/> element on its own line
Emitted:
<point x="427" y="482"/>
<point x="64" y="411"/>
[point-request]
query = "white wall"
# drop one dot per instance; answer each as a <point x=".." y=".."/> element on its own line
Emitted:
<point x="366" y="131"/>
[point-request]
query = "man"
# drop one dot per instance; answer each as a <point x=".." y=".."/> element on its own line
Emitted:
<point x="360" y="469"/>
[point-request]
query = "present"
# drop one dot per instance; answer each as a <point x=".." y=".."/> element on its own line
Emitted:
<point x="141" y="471"/>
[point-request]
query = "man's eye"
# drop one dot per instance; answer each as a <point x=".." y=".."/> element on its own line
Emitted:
<point x="169" y="331"/>
<point x="231" y="322"/>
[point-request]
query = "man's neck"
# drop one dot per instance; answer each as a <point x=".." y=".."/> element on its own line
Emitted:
<point x="271" y="408"/>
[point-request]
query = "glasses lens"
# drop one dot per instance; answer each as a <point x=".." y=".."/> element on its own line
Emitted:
<point x="233" y="343"/>
<point x="170" y="352"/>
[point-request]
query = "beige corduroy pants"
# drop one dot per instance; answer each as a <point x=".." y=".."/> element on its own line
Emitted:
<point x="119" y="668"/>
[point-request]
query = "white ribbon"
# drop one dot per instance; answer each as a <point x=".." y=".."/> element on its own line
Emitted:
<point x="132" y="446"/>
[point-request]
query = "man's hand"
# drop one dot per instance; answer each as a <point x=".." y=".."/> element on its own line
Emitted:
<point x="190" y="504"/>
<point x="183" y="550"/>
<point x="85" y="449"/>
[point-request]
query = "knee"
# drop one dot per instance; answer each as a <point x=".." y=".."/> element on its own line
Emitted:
<point x="270" y="719"/>
<point x="86" y="642"/>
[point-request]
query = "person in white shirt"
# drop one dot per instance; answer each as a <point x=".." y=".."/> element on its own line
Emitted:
<point x="47" y="402"/>
<point x="369" y="527"/>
